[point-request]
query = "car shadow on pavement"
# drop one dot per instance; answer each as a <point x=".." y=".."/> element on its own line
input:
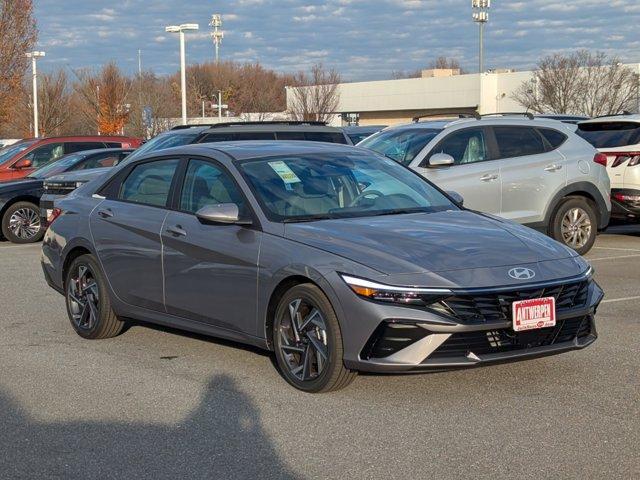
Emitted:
<point x="222" y="439"/>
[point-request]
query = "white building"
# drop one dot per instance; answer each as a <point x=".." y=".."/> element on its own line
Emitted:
<point x="398" y="101"/>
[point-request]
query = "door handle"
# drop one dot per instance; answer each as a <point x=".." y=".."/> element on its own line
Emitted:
<point x="489" y="177"/>
<point x="177" y="231"/>
<point x="552" y="168"/>
<point x="105" y="213"/>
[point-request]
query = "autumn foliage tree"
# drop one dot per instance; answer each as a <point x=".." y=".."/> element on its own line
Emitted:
<point x="17" y="36"/>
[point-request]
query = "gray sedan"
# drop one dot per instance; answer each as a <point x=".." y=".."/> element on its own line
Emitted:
<point x="336" y="258"/>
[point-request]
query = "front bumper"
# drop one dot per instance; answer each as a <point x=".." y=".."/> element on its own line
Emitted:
<point x="410" y="344"/>
<point x="624" y="209"/>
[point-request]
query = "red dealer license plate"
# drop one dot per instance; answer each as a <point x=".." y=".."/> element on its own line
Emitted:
<point x="533" y="314"/>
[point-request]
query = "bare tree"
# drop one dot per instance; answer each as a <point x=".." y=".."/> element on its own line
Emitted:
<point x="17" y="36"/>
<point x="155" y="94"/>
<point x="315" y="95"/>
<point x="446" y="63"/>
<point x="401" y="74"/>
<point x="582" y="83"/>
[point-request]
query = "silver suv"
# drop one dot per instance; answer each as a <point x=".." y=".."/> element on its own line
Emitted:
<point x="535" y="172"/>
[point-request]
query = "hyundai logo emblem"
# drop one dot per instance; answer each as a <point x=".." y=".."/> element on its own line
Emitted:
<point x="522" y="273"/>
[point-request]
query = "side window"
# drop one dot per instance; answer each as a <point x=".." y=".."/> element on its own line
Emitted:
<point x="554" y="137"/>
<point x="217" y="137"/>
<point x="113" y="145"/>
<point x="149" y="183"/>
<point x="465" y="146"/>
<point x="290" y="135"/>
<point x="240" y="136"/>
<point x="45" y="154"/>
<point x="81" y="146"/>
<point x="518" y="141"/>
<point x="99" y="161"/>
<point x="328" y="137"/>
<point x="206" y="184"/>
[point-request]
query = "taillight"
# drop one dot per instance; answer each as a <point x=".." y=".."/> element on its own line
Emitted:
<point x="620" y="158"/>
<point x="625" y="197"/>
<point x="601" y="159"/>
<point x="55" y="213"/>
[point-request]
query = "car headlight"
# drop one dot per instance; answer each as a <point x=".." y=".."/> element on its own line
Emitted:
<point x="419" y="296"/>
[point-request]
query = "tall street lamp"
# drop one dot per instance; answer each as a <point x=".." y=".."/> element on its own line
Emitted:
<point x="183" y="74"/>
<point x="34" y="56"/>
<point x="481" y="16"/>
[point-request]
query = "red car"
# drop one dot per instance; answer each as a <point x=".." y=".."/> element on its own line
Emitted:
<point x="22" y="158"/>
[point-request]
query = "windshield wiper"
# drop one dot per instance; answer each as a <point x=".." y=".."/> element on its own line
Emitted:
<point x="312" y="218"/>
<point x="399" y="211"/>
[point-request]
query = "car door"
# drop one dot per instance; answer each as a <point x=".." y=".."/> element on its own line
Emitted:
<point x="210" y="270"/>
<point x="532" y="172"/>
<point x="126" y="231"/>
<point x="475" y="173"/>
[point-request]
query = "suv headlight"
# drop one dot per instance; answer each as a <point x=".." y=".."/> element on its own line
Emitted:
<point x="418" y="296"/>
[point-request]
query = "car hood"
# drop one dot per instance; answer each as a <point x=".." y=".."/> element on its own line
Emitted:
<point x="21" y="184"/>
<point x="429" y="242"/>
<point x="79" y="175"/>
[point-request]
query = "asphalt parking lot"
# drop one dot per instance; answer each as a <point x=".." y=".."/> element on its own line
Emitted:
<point x="155" y="404"/>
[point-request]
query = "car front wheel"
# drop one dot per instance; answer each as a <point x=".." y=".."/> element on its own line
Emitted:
<point x="308" y="341"/>
<point x="575" y="224"/>
<point x="21" y="223"/>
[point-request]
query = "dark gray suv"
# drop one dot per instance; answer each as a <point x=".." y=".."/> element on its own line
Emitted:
<point x="336" y="258"/>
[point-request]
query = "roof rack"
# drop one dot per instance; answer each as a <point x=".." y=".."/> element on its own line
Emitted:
<point x="185" y="127"/>
<point x="529" y="115"/>
<point x="271" y="122"/>
<point x="459" y="113"/>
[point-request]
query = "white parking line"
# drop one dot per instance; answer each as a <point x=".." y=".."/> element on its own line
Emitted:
<point x="613" y="258"/>
<point x="625" y="299"/>
<point x="618" y="249"/>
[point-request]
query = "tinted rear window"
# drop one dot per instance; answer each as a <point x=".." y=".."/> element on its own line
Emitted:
<point x="518" y="141"/>
<point x="610" y="134"/>
<point x="554" y="137"/>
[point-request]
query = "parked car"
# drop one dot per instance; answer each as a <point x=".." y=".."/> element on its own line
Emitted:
<point x="357" y="133"/>
<point x="535" y="172"/>
<point x="336" y="258"/>
<point x="618" y="137"/>
<point x="61" y="185"/>
<point x="20" y="216"/>
<point x="23" y="158"/>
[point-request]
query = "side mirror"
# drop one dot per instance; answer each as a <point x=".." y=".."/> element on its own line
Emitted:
<point x="23" y="163"/>
<point x="456" y="197"/>
<point x="441" y="160"/>
<point x="225" y="213"/>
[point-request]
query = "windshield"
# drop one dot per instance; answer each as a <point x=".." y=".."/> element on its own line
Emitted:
<point x="401" y="145"/>
<point x="322" y="186"/>
<point x="7" y="153"/>
<point x="59" y="166"/>
<point x="162" y="141"/>
<point x="610" y="134"/>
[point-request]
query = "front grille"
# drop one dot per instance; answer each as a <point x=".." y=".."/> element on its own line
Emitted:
<point x="491" y="307"/>
<point x="59" y="188"/>
<point x="506" y="340"/>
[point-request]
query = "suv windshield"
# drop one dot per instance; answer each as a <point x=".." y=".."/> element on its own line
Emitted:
<point x="610" y="134"/>
<point x="323" y="186"/>
<point x="401" y="145"/>
<point x="9" y="152"/>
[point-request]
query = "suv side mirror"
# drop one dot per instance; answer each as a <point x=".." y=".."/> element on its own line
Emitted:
<point x="441" y="160"/>
<point x="456" y="197"/>
<point x="225" y="213"/>
<point x="23" y="163"/>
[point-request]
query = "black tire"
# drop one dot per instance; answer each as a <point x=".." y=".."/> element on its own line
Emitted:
<point x="31" y="215"/>
<point x="564" y="213"/>
<point x="330" y="375"/>
<point x="102" y="322"/>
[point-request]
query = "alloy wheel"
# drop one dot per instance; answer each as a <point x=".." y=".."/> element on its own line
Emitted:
<point x="302" y="340"/>
<point x="576" y="227"/>
<point x="84" y="298"/>
<point x="24" y="223"/>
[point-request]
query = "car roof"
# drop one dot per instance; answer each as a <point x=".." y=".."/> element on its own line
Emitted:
<point x="271" y="127"/>
<point x="488" y="120"/>
<point x="96" y="151"/>
<point x="363" y="128"/>
<point x="634" y="117"/>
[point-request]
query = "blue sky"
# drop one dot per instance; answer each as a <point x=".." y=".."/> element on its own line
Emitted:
<point x="362" y="39"/>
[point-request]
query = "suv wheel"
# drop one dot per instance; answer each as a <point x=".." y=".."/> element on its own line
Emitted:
<point x="88" y="303"/>
<point x="308" y="341"/>
<point x="575" y="224"/>
<point x="21" y="223"/>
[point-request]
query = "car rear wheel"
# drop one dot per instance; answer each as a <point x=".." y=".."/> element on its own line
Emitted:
<point x="88" y="303"/>
<point x="308" y="341"/>
<point x="575" y="224"/>
<point x="21" y="223"/>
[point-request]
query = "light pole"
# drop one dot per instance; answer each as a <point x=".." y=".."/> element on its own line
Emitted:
<point x="217" y="34"/>
<point x="180" y="29"/>
<point x="220" y="106"/>
<point x="34" y="56"/>
<point x="481" y="16"/>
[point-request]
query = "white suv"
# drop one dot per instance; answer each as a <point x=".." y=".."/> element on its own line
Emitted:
<point x="533" y="171"/>
<point x="618" y="137"/>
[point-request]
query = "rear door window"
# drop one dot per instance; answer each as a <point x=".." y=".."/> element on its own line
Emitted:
<point x="610" y="134"/>
<point x="149" y="183"/>
<point x="518" y="141"/>
<point x="74" y="147"/>
<point x="329" y="137"/>
<point x="553" y="137"/>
